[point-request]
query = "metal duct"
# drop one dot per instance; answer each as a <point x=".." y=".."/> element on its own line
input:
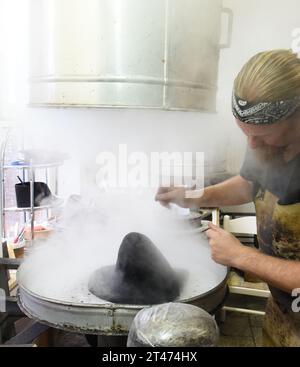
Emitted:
<point x="126" y="53"/>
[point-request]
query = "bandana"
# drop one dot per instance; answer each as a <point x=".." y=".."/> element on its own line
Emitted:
<point x="263" y="113"/>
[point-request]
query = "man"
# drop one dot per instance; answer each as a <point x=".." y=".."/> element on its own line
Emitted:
<point x="266" y="105"/>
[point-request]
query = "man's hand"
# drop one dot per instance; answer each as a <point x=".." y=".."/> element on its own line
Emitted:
<point x="225" y="248"/>
<point x="175" y="195"/>
<point x="235" y="191"/>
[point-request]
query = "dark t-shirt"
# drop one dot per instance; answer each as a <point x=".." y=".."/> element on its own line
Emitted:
<point x="277" y="196"/>
<point x="282" y="181"/>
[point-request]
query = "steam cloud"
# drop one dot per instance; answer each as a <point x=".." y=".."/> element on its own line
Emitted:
<point x="90" y="233"/>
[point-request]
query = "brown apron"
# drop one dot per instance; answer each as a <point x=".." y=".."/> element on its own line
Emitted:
<point x="278" y="231"/>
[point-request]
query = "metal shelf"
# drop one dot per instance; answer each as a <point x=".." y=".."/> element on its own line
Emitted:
<point x="28" y="174"/>
<point x="33" y="166"/>
<point x="58" y="203"/>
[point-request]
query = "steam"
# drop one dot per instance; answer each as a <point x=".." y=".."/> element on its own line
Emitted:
<point x="91" y="230"/>
<point x="90" y="233"/>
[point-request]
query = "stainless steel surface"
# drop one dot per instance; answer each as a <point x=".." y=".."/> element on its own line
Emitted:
<point x="88" y="314"/>
<point x="127" y="53"/>
<point x="105" y="319"/>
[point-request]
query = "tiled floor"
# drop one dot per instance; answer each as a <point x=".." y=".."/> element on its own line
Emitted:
<point x="241" y="330"/>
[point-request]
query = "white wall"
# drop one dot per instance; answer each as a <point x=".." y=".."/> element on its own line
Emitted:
<point x="13" y="56"/>
<point x="258" y="25"/>
<point x="84" y="133"/>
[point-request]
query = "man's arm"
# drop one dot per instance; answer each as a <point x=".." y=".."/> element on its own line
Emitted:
<point x="279" y="273"/>
<point x="228" y="250"/>
<point x="235" y="191"/>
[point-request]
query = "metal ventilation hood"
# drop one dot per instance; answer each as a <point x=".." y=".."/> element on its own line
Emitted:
<point x="160" y="54"/>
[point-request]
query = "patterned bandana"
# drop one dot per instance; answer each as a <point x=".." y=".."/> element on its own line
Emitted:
<point x="264" y="113"/>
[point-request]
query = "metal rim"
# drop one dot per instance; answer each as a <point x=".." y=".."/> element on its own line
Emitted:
<point x="113" y="324"/>
<point x="117" y="305"/>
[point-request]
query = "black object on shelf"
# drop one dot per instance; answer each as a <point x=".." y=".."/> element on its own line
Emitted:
<point x="40" y="192"/>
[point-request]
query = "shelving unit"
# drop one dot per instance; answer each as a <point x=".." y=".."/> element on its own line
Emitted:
<point x="47" y="173"/>
<point x="28" y="172"/>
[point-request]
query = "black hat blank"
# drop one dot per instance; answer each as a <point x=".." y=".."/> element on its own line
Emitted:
<point x="141" y="276"/>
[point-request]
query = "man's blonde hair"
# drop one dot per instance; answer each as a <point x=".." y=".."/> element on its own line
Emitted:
<point x="269" y="76"/>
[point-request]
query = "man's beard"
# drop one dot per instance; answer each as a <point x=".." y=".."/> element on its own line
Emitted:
<point x="270" y="155"/>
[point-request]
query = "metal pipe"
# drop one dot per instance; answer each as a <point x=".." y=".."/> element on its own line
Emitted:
<point x="56" y="181"/>
<point x="47" y="183"/>
<point x="32" y="180"/>
<point x="2" y="189"/>
<point x="243" y="310"/>
<point x="24" y="180"/>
